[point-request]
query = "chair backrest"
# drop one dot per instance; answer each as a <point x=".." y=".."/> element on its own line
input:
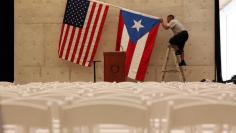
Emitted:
<point x="202" y="114"/>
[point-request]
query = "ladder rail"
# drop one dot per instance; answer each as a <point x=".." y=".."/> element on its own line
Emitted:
<point x="165" y="64"/>
<point x="176" y="61"/>
<point x="179" y="68"/>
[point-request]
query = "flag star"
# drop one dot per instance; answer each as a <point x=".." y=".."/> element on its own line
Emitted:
<point x="138" y="25"/>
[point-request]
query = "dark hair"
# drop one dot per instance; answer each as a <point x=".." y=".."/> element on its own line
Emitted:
<point x="172" y="16"/>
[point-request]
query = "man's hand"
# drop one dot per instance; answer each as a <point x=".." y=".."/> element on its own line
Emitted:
<point x="161" y="20"/>
<point x="165" y="26"/>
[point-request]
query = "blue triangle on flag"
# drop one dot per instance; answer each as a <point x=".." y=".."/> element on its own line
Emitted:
<point x="138" y="25"/>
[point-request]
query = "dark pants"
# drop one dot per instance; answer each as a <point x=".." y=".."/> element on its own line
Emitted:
<point x="179" y="40"/>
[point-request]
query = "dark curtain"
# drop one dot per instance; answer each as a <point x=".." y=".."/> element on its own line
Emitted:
<point x="7" y="40"/>
<point x="218" y="74"/>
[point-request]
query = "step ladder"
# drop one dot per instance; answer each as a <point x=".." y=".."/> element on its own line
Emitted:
<point x="179" y="69"/>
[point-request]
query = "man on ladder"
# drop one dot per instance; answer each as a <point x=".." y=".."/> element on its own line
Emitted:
<point x="176" y="46"/>
<point x="179" y="38"/>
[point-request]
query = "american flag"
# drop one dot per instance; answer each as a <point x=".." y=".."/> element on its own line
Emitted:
<point x="81" y="31"/>
<point x="136" y="35"/>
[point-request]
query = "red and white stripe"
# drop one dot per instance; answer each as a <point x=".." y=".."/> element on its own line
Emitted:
<point x="79" y="45"/>
<point x="137" y="55"/>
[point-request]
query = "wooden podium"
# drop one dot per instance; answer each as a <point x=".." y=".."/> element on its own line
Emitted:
<point x="114" y="66"/>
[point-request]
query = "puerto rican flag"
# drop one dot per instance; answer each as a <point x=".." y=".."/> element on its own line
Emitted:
<point x="136" y="35"/>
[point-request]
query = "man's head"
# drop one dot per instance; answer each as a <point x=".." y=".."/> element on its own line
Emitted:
<point x="170" y="17"/>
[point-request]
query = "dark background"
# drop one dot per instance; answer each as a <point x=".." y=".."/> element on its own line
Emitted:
<point x="7" y="40"/>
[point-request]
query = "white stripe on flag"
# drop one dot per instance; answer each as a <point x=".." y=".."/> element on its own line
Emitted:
<point x="124" y="39"/>
<point x="63" y="36"/>
<point x="67" y="42"/>
<point x="73" y="43"/>
<point x="89" y="35"/>
<point x="137" y="56"/>
<point x="82" y="33"/>
<point x="95" y="35"/>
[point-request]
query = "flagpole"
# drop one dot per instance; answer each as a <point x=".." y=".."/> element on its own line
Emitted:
<point x="125" y="9"/>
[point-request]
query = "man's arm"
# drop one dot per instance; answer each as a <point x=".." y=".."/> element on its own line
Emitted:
<point x="165" y="26"/>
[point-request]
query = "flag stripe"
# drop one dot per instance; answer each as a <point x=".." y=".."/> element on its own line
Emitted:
<point x="146" y="57"/>
<point x="62" y="29"/>
<point x="137" y="56"/>
<point x="70" y="43"/>
<point x="76" y="45"/>
<point x="82" y="35"/>
<point x="99" y="34"/>
<point x="91" y="39"/>
<point x="90" y="33"/>
<point x="125" y="39"/>
<point x="77" y="31"/>
<point x="63" y="37"/>
<point x="119" y="34"/>
<point x="92" y="49"/>
<point x="129" y="56"/>
<point x="64" y="40"/>
<point x="67" y="42"/>
<point x="86" y="32"/>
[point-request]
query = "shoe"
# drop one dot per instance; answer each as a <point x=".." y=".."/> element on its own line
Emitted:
<point x="178" y="52"/>
<point x="182" y="63"/>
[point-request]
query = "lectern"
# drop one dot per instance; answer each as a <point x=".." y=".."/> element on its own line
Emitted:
<point x="114" y="66"/>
